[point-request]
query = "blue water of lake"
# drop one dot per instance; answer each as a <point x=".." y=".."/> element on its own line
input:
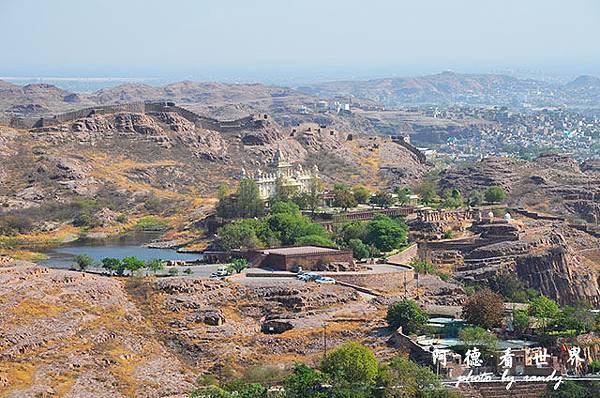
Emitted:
<point x="63" y="256"/>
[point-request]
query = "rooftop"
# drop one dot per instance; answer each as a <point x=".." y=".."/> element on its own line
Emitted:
<point x="292" y="251"/>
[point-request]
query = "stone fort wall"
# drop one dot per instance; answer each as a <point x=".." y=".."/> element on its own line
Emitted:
<point x="248" y="122"/>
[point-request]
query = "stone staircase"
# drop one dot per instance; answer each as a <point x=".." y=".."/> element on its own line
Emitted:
<point x="498" y="390"/>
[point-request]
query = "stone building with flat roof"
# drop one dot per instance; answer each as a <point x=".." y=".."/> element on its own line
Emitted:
<point x="307" y="257"/>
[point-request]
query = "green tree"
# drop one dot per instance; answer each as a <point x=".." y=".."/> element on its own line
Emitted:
<point x="84" y="261"/>
<point x="520" y="321"/>
<point x="240" y="234"/>
<point x="351" y="364"/>
<point x="238" y="265"/>
<point x="408" y="314"/>
<point x="343" y="196"/>
<point x="133" y="264"/>
<point x="485" y="308"/>
<point x="359" y="249"/>
<point x="287" y="228"/>
<point x="361" y="194"/>
<point x="173" y="271"/>
<point x="568" y="389"/>
<point x="314" y="195"/>
<point x="113" y="265"/>
<point x="278" y="207"/>
<point x="155" y="265"/>
<point x="382" y="199"/>
<point x="284" y="191"/>
<point x="453" y="198"/>
<point x="544" y="308"/>
<point x="386" y="234"/>
<point x="478" y="337"/>
<point x="416" y="381"/>
<point x="495" y="194"/>
<point x="578" y="318"/>
<point x="352" y="230"/>
<point x="188" y="271"/>
<point x="304" y="382"/>
<point x="403" y="195"/>
<point x="246" y="203"/>
<point x="427" y="191"/>
<point x="314" y="240"/>
<point x="249" y="203"/>
<point x="476" y="198"/>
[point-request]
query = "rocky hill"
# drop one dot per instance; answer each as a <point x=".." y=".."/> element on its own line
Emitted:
<point x="551" y="183"/>
<point x="450" y="87"/>
<point x="125" y="158"/>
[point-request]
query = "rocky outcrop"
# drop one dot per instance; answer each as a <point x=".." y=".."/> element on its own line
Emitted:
<point x="543" y="261"/>
<point x="556" y="273"/>
<point x="551" y="183"/>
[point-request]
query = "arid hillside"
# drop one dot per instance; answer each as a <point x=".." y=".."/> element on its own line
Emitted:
<point x="551" y="183"/>
<point x="70" y="334"/>
<point x="131" y="160"/>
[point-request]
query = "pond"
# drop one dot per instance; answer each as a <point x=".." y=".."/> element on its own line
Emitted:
<point x="131" y="245"/>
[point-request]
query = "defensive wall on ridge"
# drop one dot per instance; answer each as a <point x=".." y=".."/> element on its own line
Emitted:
<point x="248" y="122"/>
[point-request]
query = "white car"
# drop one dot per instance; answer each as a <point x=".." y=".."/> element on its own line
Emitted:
<point x="325" y="280"/>
<point x="303" y="277"/>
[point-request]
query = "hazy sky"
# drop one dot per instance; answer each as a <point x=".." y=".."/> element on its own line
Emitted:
<point x="310" y="37"/>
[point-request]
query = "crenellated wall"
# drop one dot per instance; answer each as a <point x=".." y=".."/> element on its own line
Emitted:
<point x="246" y="123"/>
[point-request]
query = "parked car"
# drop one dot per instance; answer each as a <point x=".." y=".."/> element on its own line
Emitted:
<point x="325" y="280"/>
<point x="221" y="273"/>
<point x="303" y="277"/>
<point x="312" y="276"/>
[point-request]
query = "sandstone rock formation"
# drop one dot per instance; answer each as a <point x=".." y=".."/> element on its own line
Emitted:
<point x="551" y="183"/>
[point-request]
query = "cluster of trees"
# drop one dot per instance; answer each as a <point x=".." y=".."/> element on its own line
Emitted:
<point x="552" y="319"/>
<point x="485" y="308"/>
<point x="82" y="212"/>
<point x="346" y="197"/>
<point x="351" y="370"/>
<point x="247" y="203"/>
<point x="284" y="225"/>
<point x="118" y="267"/>
<point x="370" y="238"/>
<point x="452" y="198"/>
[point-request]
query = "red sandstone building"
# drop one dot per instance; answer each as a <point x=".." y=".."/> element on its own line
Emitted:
<point x="307" y="257"/>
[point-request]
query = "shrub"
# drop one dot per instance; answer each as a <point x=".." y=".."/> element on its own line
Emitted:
<point x="154" y="265"/>
<point x="422" y="267"/>
<point x="173" y="271"/>
<point x="113" y="265"/>
<point x="84" y="261"/>
<point x="151" y="223"/>
<point x="238" y="265"/>
<point x="495" y="194"/>
<point x="478" y="337"/>
<point x="13" y="225"/>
